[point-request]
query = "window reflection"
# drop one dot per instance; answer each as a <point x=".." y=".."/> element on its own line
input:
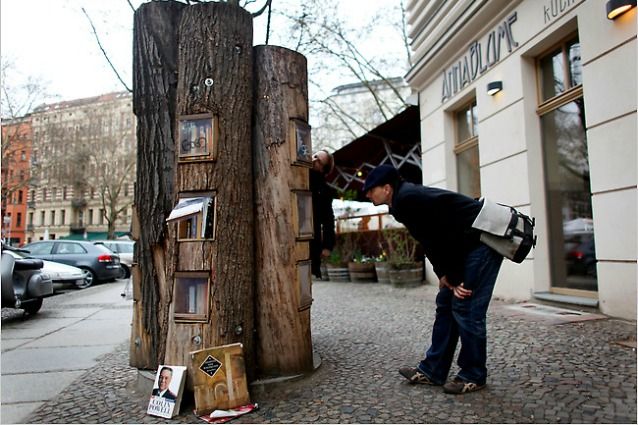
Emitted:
<point x="575" y="66"/>
<point x="569" y="199"/>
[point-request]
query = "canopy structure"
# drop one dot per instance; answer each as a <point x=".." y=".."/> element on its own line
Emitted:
<point x="396" y="142"/>
<point x="93" y="236"/>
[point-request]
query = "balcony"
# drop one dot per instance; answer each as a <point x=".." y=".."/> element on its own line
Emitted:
<point x="31" y="205"/>
<point x="30" y="227"/>
<point x="77" y="228"/>
<point x="78" y="203"/>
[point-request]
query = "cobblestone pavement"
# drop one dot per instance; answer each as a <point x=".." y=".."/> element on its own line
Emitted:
<point x="540" y="370"/>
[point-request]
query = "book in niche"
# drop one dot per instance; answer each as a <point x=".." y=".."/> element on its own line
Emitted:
<point x="168" y="389"/>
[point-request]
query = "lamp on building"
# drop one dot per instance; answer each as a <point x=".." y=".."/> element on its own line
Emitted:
<point x="494" y="87"/>
<point x="615" y="8"/>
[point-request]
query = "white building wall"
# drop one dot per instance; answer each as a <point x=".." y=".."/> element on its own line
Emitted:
<point x="510" y="142"/>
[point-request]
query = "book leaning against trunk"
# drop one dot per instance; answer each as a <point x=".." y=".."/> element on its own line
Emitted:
<point x="168" y="389"/>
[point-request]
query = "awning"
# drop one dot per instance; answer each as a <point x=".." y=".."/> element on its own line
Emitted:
<point x="91" y="236"/>
<point x="396" y="142"/>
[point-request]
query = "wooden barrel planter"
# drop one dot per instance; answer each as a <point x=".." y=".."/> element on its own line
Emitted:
<point x="381" y="268"/>
<point x="408" y="276"/>
<point x="338" y="273"/>
<point x="362" y="272"/>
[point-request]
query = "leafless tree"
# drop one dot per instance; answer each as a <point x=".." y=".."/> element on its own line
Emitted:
<point x="340" y="48"/>
<point x="18" y="99"/>
<point x="94" y="155"/>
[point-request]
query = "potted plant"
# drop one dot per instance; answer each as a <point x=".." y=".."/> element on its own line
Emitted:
<point x="381" y="268"/>
<point x="403" y="269"/>
<point x="361" y="268"/>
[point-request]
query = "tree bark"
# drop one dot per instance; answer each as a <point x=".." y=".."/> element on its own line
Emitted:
<point x="281" y="93"/>
<point x="154" y="98"/>
<point x="215" y="43"/>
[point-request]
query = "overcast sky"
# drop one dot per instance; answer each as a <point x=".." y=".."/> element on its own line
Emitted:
<point x="52" y="39"/>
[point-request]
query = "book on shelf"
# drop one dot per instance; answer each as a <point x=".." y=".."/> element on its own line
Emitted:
<point x="168" y="389"/>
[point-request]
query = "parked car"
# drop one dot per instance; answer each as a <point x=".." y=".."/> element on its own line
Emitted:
<point x="124" y="249"/>
<point x="580" y="254"/>
<point x="24" y="284"/>
<point x="60" y="274"/>
<point x="100" y="263"/>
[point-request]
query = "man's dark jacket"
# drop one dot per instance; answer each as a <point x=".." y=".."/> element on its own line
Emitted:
<point x="442" y="222"/>
<point x="323" y="220"/>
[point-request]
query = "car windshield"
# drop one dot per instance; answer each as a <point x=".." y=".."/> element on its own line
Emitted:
<point x="126" y="248"/>
<point x="18" y="254"/>
<point x="104" y="249"/>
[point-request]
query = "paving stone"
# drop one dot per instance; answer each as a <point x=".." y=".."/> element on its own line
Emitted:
<point x="538" y="372"/>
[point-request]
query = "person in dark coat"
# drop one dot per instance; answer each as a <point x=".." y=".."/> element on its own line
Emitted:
<point x="441" y="221"/>
<point x="323" y="217"/>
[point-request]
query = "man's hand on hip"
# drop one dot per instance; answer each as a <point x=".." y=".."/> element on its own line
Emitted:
<point x="459" y="291"/>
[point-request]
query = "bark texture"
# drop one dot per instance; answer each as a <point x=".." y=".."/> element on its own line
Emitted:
<point x="154" y="98"/>
<point x="215" y="43"/>
<point x="280" y="93"/>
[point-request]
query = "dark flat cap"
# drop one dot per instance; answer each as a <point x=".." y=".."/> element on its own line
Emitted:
<point x="381" y="175"/>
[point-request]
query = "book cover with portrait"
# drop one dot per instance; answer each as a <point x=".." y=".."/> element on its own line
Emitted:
<point x="168" y="389"/>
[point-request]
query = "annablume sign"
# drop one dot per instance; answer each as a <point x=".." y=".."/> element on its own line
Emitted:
<point x="480" y="56"/>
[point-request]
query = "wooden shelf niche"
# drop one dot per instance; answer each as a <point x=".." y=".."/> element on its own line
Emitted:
<point x="300" y="142"/>
<point x="195" y="215"/>
<point x="304" y="278"/>
<point x="302" y="214"/>
<point x="198" y="136"/>
<point x="191" y="296"/>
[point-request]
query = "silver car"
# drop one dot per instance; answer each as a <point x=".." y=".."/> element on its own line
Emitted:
<point x="123" y="248"/>
<point x="60" y="274"/>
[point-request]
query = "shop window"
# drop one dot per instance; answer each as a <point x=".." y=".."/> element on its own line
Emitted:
<point x="302" y="214"/>
<point x="467" y="151"/>
<point x="191" y="296"/>
<point x="195" y="217"/>
<point x="197" y="137"/>
<point x="300" y="142"/>
<point x="566" y="169"/>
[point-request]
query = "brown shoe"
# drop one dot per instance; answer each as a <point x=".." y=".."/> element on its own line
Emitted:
<point x="459" y="386"/>
<point x="415" y="376"/>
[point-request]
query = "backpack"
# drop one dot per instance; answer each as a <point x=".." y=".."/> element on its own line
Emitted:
<point x="506" y="230"/>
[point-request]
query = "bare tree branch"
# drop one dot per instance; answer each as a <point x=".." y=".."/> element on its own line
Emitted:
<point x="260" y="11"/>
<point x="106" y="56"/>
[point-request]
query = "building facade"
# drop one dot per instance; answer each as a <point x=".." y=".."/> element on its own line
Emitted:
<point x="353" y="109"/>
<point x="16" y="153"/>
<point x="532" y="103"/>
<point x="83" y="168"/>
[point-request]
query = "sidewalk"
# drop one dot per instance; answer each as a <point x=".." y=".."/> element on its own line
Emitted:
<point x="545" y="366"/>
<point x="44" y="354"/>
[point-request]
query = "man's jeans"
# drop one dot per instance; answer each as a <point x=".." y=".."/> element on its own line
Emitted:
<point x="465" y="319"/>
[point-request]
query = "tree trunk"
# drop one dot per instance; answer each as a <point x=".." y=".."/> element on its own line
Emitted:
<point x="283" y="319"/>
<point x="215" y="46"/>
<point x="154" y="97"/>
